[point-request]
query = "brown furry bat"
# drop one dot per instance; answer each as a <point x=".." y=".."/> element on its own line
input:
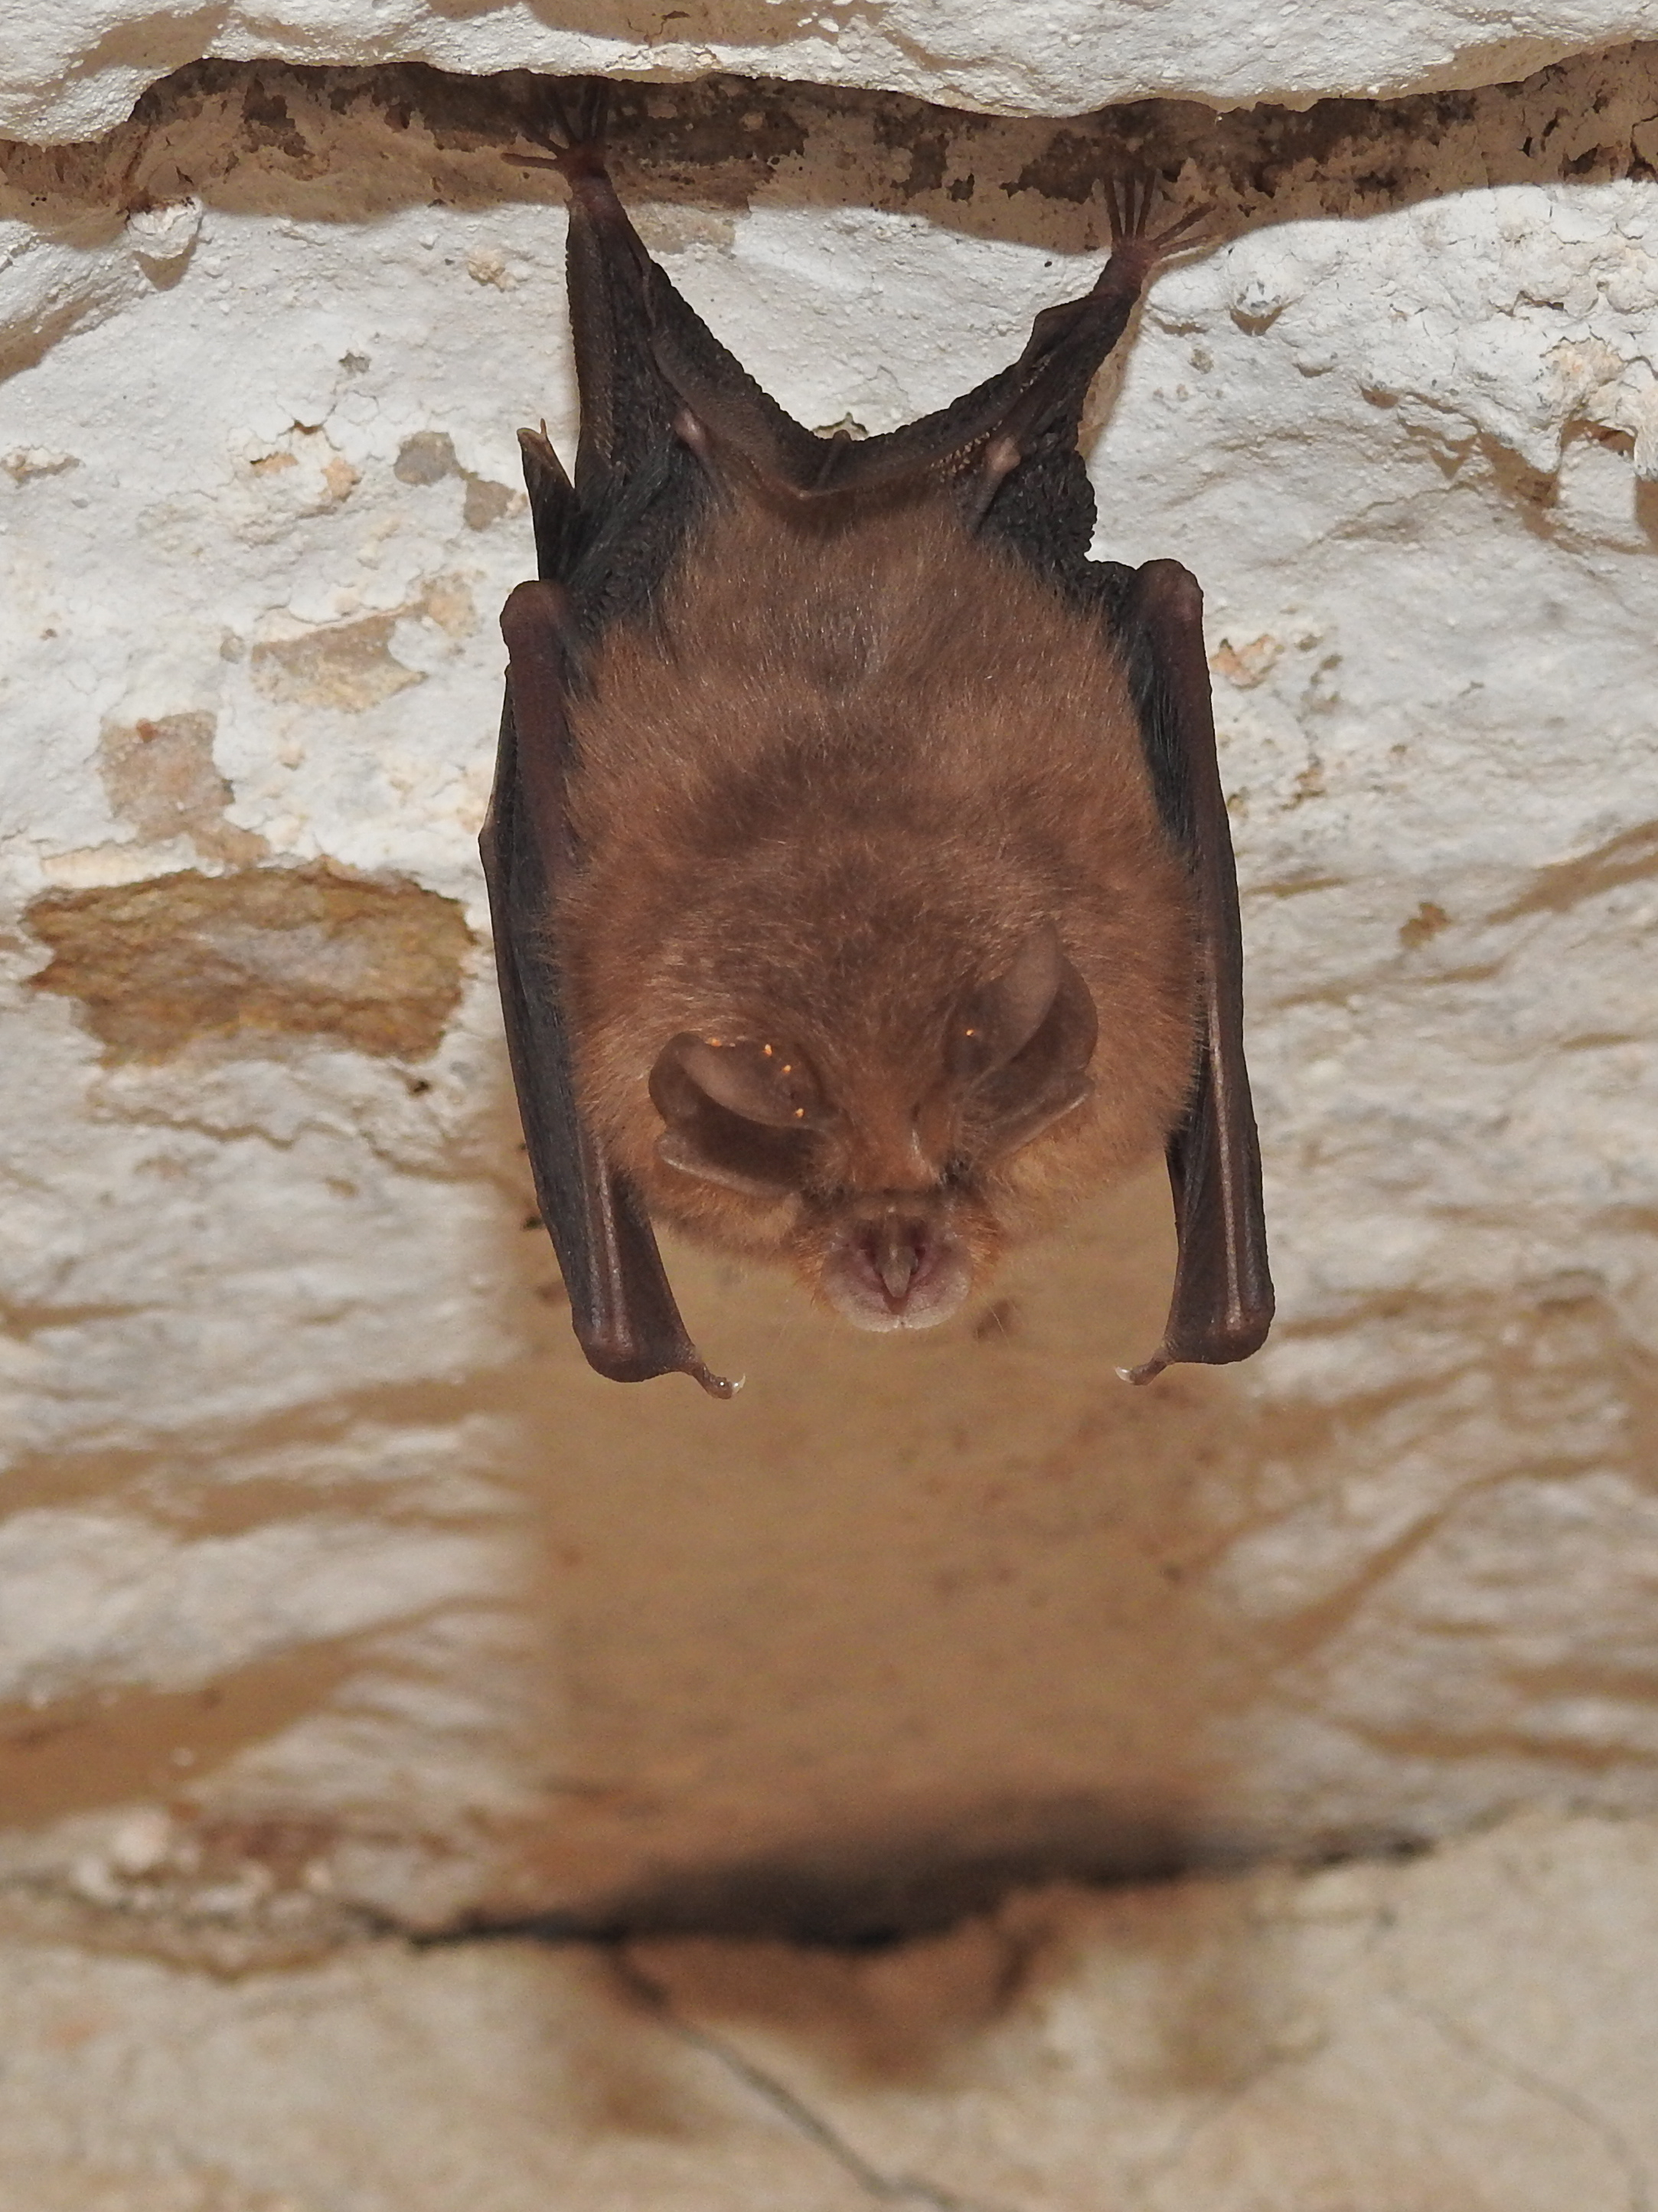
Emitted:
<point x="862" y="887"/>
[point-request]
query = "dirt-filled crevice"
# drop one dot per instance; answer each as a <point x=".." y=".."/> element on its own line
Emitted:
<point x="346" y="141"/>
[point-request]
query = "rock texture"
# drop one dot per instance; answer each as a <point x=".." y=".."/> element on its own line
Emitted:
<point x="1468" y="2033"/>
<point x="334" y="1586"/>
<point x="67" y="73"/>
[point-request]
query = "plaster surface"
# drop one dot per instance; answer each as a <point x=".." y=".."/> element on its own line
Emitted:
<point x="336" y="1588"/>
<point x="1472" y="2032"/>
<point x="69" y="73"/>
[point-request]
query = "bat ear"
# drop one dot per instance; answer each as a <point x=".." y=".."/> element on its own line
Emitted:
<point x="739" y="1113"/>
<point x="1020" y="1047"/>
<point x="998" y="1019"/>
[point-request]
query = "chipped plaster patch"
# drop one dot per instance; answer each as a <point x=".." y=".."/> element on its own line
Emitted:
<point x="160" y="777"/>
<point x="348" y="665"/>
<point x="429" y="456"/>
<point x="254" y="955"/>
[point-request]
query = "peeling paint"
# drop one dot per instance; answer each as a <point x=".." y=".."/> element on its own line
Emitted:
<point x="160" y="777"/>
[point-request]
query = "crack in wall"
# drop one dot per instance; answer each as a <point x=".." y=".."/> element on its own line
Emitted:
<point x="388" y="2073"/>
<point x="792" y="2110"/>
<point x="194" y="132"/>
<point x="1158" y="2169"/>
<point x="1612" y="2138"/>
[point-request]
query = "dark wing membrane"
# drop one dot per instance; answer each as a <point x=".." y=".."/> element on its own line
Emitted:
<point x="643" y="359"/>
<point x="620" y="1306"/>
<point x="1008" y="448"/>
<point x="1222" y="1306"/>
<point x="601" y="547"/>
<point x="1010" y="443"/>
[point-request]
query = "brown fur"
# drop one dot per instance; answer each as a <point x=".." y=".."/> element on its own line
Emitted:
<point x="857" y="758"/>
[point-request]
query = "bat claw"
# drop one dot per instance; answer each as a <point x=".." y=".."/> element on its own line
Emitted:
<point x="1130" y="198"/>
<point x="573" y="131"/>
<point x="1147" y="1372"/>
<point x="717" y="1386"/>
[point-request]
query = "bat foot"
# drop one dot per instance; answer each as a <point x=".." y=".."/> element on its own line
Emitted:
<point x="1136" y="248"/>
<point x="572" y="128"/>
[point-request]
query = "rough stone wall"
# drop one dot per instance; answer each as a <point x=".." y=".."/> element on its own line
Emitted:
<point x="331" y="1584"/>
<point x="71" y="72"/>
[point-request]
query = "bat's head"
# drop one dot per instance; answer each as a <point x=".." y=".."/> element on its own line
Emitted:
<point x="895" y="1166"/>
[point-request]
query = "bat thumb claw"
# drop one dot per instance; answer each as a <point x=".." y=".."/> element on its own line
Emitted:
<point x="717" y="1386"/>
<point x="1147" y="1372"/>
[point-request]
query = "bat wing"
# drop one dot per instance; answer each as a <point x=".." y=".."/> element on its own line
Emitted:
<point x="1013" y="446"/>
<point x="601" y="546"/>
<point x="1222" y="1306"/>
<point x="620" y="1306"/>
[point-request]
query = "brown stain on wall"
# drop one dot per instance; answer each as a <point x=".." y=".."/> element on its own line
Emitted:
<point x="376" y="965"/>
<point x="350" y="666"/>
<point x="139" y="1744"/>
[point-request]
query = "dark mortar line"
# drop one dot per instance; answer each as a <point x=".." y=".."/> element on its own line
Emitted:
<point x="841" y="1927"/>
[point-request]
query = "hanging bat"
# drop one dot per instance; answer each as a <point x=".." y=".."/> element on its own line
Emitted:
<point x="860" y="870"/>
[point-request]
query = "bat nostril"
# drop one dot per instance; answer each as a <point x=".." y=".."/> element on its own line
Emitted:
<point x="897" y="1249"/>
<point x="897" y="1268"/>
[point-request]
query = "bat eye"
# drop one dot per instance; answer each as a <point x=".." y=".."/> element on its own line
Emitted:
<point x="737" y="1113"/>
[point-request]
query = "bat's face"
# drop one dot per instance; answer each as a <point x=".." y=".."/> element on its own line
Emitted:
<point x="891" y="1189"/>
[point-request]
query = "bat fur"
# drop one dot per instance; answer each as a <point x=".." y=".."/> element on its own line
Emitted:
<point x="826" y="794"/>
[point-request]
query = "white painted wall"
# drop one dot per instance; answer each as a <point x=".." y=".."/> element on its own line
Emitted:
<point x="67" y="75"/>
<point x="329" y="1573"/>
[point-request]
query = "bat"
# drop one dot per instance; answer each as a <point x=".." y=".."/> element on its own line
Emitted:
<point x="860" y="870"/>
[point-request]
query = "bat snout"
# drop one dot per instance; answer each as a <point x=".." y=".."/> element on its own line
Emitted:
<point x="897" y="1267"/>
